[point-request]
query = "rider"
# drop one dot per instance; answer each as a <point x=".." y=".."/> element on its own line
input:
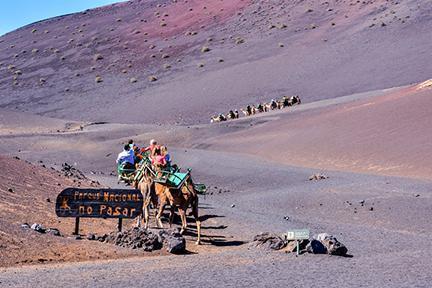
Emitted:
<point x="126" y="158"/>
<point x="150" y="148"/>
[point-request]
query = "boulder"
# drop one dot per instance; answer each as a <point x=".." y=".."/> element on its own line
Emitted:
<point x="174" y="241"/>
<point x="53" y="231"/>
<point x="316" y="247"/>
<point x="38" y="228"/>
<point x="269" y="241"/>
<point x="333" y="246"/>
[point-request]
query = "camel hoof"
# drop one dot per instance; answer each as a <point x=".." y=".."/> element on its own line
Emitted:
<point x="198" y="242"/>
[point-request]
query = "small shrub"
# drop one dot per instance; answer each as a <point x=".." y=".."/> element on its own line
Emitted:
<point x="124" y="71"/>
<point x="163" y="24"/>
<point x="98" y="79"/>
<point x="281" y="45"/>
<point x="42" y="81"/>
<point x="205" y="49"/>
<point x="167" y="66"/>
<point x="97" y="57"/>
<point x="152" y="78"/>
<point x="118" y="20"/>
<point x="239" y="40"/>
<point x="35" y="50"/>
<point x="220" y="60"/>
<point x="133" y="80"/>
<point x="18" y="72"/>
<point x="11" y="67"/>
<point x="201" y="64"/>
<point x="33" y="30"/>
<point x="164" y="56"/>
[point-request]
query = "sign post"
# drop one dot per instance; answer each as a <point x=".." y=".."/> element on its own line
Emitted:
<point x="297" y="234"/>
<point x="99" y="203"/>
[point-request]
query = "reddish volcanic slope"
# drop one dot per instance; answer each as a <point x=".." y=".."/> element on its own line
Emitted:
<point x="389" y="134"/>
<point x="96" y="65"/>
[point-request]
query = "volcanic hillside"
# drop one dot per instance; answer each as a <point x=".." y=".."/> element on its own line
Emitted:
<point x="182" y="61"/>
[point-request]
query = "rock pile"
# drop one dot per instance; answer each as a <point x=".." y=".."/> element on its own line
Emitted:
<point x="317" y="176"/>
<point x="148" y="240"/>
<point x="70" y="171"/>
<point x="269" y="241"/>
<point x="39" y="228"/>
<point x="320" y="244"/>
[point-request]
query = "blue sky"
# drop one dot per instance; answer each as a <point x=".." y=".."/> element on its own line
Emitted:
<point x="17" y="13"/>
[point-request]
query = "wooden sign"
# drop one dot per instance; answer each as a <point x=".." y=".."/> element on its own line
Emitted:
<point x="99" y="203"/>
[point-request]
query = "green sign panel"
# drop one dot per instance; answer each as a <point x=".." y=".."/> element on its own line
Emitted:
<point x="297" y="234"/>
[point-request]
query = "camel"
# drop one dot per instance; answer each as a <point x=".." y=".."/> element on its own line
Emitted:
<point x="248" y="111"/>
<point x="157" y="193"/>
<point x="144" y="183"/>
<point x="293" y="100"/>
<point x="181" y="198"/>
<point x="218" y="118"/>
<point x="236" y="114"/>
<point x="231" y="115"/>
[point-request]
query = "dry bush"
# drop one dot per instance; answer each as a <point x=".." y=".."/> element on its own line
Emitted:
<point x="201" y="64"/>
<point x="152" y="78"/>
<point x="205" y="49"/>
<point x="35" y="50"/>
<point x="133" y="80"/>
<point x="97" y="57"/>
<point x="220" y="60"/>
<point x="124" y="71"/>
<point x="239" y="40"/>
<point x="98" y="79"/>
<point x="164" y="56"/>
<point x="167" y="66"/>
<point x="33" y="30"/>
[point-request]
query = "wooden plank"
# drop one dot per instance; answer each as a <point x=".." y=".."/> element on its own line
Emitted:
<point x="99" y="203"/>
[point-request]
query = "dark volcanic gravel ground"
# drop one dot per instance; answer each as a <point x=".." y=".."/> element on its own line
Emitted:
<point x="388" y="244"/>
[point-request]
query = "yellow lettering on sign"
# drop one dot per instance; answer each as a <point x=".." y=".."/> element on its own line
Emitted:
<point x="117" y="211"/>
<point x="81" y="210"/>
<point x="106" y="195"/>
<point x="109" y="211"/>
<point x="76" y="195"/>
<point x="125" y="212"/>
<point x="124" y="196"/>
<point x="111" y="197"/>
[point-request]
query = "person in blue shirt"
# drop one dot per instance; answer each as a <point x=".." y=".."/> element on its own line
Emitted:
<point x="126" y="158"/>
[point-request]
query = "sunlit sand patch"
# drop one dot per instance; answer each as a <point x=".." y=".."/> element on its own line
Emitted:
<point x="425" y="85"/>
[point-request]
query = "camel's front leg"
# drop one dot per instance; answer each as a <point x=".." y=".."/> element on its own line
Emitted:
<point x="159" y="215"/>
<point x="182" y="213"/>
<point x="138" y="223"/>
<point x="146" y="217"/>
<point x="171" y="216"/>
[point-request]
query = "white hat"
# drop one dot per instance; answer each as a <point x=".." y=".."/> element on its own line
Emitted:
<point x="153" y="142"/>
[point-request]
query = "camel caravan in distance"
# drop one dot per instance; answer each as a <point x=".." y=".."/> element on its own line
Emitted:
<point x="284" y="102"/>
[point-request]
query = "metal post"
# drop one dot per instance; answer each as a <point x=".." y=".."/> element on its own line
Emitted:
<point x="298" y="248"/>
<point x="77" y="220"/>
<point x="120" y="224"/>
